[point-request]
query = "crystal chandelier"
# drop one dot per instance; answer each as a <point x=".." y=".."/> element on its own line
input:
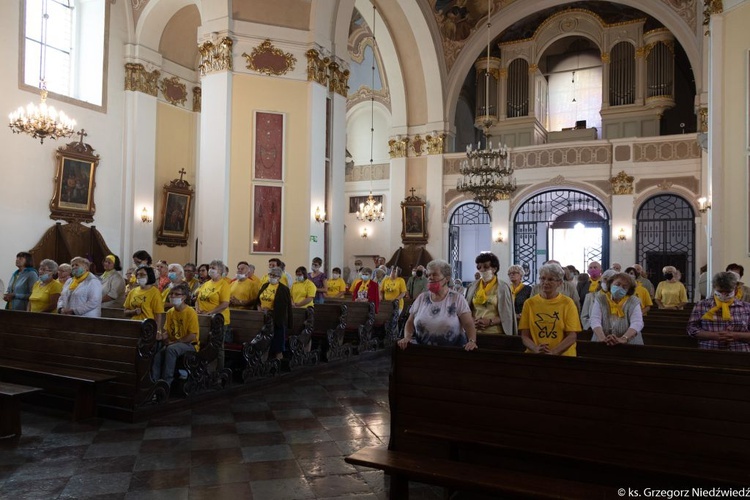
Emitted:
<point x="487" y="173"/>
<point x="371" y="210"/>
<point x="41" y="122"/>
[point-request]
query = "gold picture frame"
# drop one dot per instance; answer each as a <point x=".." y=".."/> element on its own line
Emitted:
<point x="413" y="220"/>
<point x="174" y="227"/>
<point x="73" y="197"/>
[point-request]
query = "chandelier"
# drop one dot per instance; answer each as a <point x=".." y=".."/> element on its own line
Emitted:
<point x="371" y="210"/>
<point x="487" y="173"/>
<point x="41" y="122"/>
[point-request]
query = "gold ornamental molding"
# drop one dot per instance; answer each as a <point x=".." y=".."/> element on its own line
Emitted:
<point x="317" y="67"/>
<point x="215" y="57"/>
<point x="640" y="52"/>
<point x="174" y="91"/>
<point x="711" y="7"/>
<point x="338" y="79"/>
<point x="269" y="60"/>
<point x="418" y="145"/>
<point x="137" y="79"/>
<point x="435" y="143"/>
<point x="605" y="58"/>
<point x="622" y="183"/>
<point x="398" y="147"/>
<point x="703" y="119"/>
<point x="197" y="93"/>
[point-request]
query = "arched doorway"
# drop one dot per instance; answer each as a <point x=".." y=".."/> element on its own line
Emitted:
<point x="469" y="234"/>
<point x="665" y="236"/>
<point x="564" y="224"/>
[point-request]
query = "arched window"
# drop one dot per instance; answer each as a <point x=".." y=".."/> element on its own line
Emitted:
<point x="469" y="234"/>
<point x="622" y="74"/>
<point x="518" y="88"/>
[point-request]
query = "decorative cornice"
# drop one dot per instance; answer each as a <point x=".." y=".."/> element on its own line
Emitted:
<point x="703" y="119"/>
<point x="137" y="79"/>
<point x="215" y="57"/>
<point x="338" y="79"/>
<point x="666" y="151"/>
<point x="435" y="143"/>
<point x="622" y="183"/>
<point x="354" y="173"/>
<point x="269" y="60"/>
<point x="398" y="147"/>
<point x="711" y="7"/>
<point x="174" y="91"/>
<point x="418" y="145"/>
<point x="317" y="67"/>
<point x="197" y="94"/>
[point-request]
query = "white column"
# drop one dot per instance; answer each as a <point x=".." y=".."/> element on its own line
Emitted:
<point x="317" y="193"/>
<point x="212" y="186"/>
<point x="337" y="202"/>
<point x="715" y="194"/>
<point x="437" y="246"/>
<point x="500" y="213"/>
<point x="622" y="217"/>
<point x="397" y="192"/>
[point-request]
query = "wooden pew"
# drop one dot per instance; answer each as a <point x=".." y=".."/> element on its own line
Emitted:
<point x="386" y="322"/>
<point x="359" y="326"/>
<point x="300" y="338"/>
<point x="328" y="331"/>
<point x="10" y="407"/>
<point x="86" y="363"/>
<point x="560" y="427"/>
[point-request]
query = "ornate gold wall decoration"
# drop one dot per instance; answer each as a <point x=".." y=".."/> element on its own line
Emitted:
<point x="640" y="52"/>
<point x="215" y="57"/>
<point x="703" y="119"/>
<point x="417" y="145"/>
<point x="435" y="143"/>
<point x="197" y="93"/>
<point x="622" y="183"/>
<point x="711" y="7"/>
<point x="605" y="57"/>
<point x="174" y="91"/>
<point x="338" y="80"/>
<point x="137" y="79"/>
<point x="268" y="60"/>
<point x="533" y="68"/>
<point x="398" y="147"/>
<point x="665" y="185"/>
<point x="317" y="67"/>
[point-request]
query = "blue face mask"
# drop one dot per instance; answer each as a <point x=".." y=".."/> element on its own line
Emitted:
<point x="618" y="292"/>
<point x="172" y="276"/>
<point x="77" y="272"/>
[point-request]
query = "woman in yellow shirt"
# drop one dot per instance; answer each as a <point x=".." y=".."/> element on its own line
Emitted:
<point x="145" y="301"/>
<point x="303" y="290"/>
<point x="213" y="298"/>
<point x="46" y="290"/>
<point x="336" y="285"/>
<point x="393" y="287"/>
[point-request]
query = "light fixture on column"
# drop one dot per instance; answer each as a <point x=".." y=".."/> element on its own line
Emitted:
<point x="41" y="122"/>
<point x="146" y="216"/>
<point x="499" y="238"/>
<point x="320" y="216"/>
<point x="621" y="235"/>
<point x="371" y="210"/>
<point x="704" y="204"/>
<point x="363" y="233"/>
<point x="487" y="173"/>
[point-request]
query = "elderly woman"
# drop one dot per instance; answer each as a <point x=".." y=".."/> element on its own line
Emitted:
<point x="670" y="293"/>
<point x="276" y="300"/>
<point x="490" y="298"/>
<point x="365" y="289"/>
<point x="181" y="334"/>
<point x="440" y="316"/>
<point x="519" y="290"/>
<point x="601" y="287"/>
<point x="743" y="291"/>
<point x="82" y="293"/>
<point x="303" y="289"/>
<point x="176" y="276"/>
<point x="144" y="301"/>
<point x="721" y="321"/>
<point x="640" y="291"/>
<point x="393" y="287"/>
<point x="21" y="283"/>
<point x="113" y="283"/>
<point x="213" y="298"/>
<point x="162" y="278"/>
<point x="616" y="314"/>
<point x="63" y="272"/>
<point x="549" y="321"/>
<point x="46" y="291"/>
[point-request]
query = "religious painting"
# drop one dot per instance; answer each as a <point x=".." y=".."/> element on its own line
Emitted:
<point x="414" y="223"/>
<point x="458" y="18"/>
<point x="269" y="146"/>
<point x="73" y="198"/>
<point x="175" y="213"/>
<point x="267" y="217"/>
<point x="356" y="201"/>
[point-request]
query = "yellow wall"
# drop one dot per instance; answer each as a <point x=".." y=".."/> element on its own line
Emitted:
<point x="732" y="230"/>
<point x="259" y="93"/>
<point x="175" y="150"/>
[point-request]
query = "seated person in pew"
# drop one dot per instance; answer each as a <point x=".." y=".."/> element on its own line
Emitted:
<point x="303" y="289"/>
<point x="181" y="334"/>
<point x="616" y="314"/>
<point x="276" y="300"/>
<point x="145" y="302"/>
<point x="440" y="316"/>
<point x="113" y="283"/>
<point x="490" y="298"/>
<point x="640" y="291"/>
<point x="393" y="287"/>
<point x="213" y="298"/>
<point x="549" y="321"/>
<point x="46" y="291"/>
<point x="82" y="293"/>
<point x="602" y="287"/>
<point x="743" y="291"/>
<point x="176" y="275"/>
<point x="365" y="289"/>
<point x="243" y="292"/>
<point x="722" y="321"/>
<point x="336" y="285"/>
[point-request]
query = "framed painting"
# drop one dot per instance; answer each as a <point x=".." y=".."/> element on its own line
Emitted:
<point x="174" y="227"/>
<point x="267" y="216"/>
<point x="413" y="220"/>
<point x="73" y="197"/>
<point x="268" y="160"/>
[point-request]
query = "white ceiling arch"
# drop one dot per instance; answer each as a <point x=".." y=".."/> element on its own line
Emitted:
<point x="155" y="17"/>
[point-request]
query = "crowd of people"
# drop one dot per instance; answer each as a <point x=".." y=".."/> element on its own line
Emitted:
<point x="549" y="315"/>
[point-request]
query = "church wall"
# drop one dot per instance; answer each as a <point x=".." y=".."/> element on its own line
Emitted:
<point x="732" y="228"/>
<point x="258" y="93"/>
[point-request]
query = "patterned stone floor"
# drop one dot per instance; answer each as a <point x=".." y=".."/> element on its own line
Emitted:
<point x="287" y="442"/>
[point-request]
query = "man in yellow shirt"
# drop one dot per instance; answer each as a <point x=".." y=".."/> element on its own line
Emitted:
<point x="181" y="334"/>
<point x="244" y="290"/>
<point x="274" y="263"/>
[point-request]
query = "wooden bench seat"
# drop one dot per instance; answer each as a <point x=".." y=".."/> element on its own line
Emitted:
<point x="329" y="330"/>
<point x="10" y="407"/>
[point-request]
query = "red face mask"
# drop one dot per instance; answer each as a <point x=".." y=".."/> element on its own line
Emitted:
<point x="434" y="286"/>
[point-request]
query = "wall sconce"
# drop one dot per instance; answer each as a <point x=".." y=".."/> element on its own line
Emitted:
<point x="320" y="216"/>
<point x="703" y="204"/>
<point x="363" y="233"/>
<point x="146" y="216"/>
<point x="621" y="235"/>
<point x="499" y="238"/>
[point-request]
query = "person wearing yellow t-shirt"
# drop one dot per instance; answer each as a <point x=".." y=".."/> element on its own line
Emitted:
<point x="243" y="292"/>
<point x="46" y="291"/>
<point x="273" y="264"/>
<point x="191" y="279"/>
<point x="213" y="298"/>
<point x="640" y="291"/>
<point x="393" y="287"/>
<point x="145" y="302"/>
<point x="303" y="290"/>
<point x="670" y="293"/>
<point x="336" y="285"/>
<point x="549" y="321"/>
<point x="181" y="334"/>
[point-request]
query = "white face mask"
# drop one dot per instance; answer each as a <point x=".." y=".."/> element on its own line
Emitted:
<point x="300" y="278"/>
<point x="273" y="281"/>
<point x="336" y="276"/>
<point x="213" y="273"/>
<point x="723" y="297"/>
<point x="177" y="301"/>
<point x="487" y="275"/>
<point x="315" y="267"/>
<point x="365" y="277"/>
<point x="141" y="281"/>
<point x="241" y="277"/>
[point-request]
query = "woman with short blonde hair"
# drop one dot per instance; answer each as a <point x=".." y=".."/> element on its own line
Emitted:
<point x="82" y="293"/>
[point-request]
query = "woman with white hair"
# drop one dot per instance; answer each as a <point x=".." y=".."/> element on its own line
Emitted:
<point x="549" y="320"/>
<point x="721" y="321"/>
<point x="46" y="291"/>
<point x="616" y="316"/>
<point x="82" y="293"/>
<point x="670" y="293"/>
<point x="176" y="275"/>
<point x="521" y="291"/>
<point x="602" y="287"/>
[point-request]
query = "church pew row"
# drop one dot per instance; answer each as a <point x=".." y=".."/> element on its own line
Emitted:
<point x="554" y="427"/>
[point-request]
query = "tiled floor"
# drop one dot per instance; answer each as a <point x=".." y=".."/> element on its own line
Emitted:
<point x="285" y="443"/>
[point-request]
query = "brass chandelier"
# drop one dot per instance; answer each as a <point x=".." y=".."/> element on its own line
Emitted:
<point x="487" y="173"/>
<point x="41" y="122"/>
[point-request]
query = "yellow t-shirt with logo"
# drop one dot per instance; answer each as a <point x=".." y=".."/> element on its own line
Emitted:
<point x="302" y="290"/>
<point x="211" y="295"/>
<point x="642" y="293"/>
<point x="245" y="290"/>
<point x="549" y="319"/>
<point x="39" y="298"/>
<point x="268" y="296"/>
<point x="149" y="301"/>
<point x="282" y="279"/>
<point x="392" y="288"/>
<point x="180" y="324"/>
